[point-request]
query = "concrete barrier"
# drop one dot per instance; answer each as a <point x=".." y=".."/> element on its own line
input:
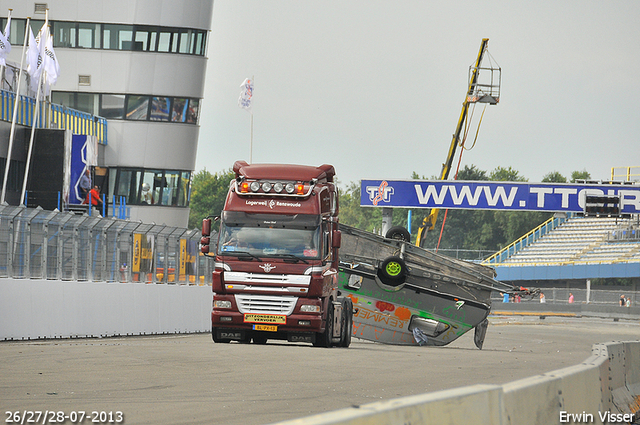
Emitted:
<point x="32" y="309"/>
<point x="604" y="389"/>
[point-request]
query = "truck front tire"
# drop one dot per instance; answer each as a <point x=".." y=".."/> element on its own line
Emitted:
<point x="346" y="322"/>
<point x="324" y="339"/>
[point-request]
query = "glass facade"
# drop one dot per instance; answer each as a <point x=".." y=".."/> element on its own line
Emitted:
<point x="135" y="186"/>
<point x="150" y="187"/>
<point x="87" y="35"/>
<point x="132" y="106"/>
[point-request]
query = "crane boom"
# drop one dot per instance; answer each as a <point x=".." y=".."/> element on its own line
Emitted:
<point x="429" y="221"/>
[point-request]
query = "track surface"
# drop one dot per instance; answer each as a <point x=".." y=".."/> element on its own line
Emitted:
<point x="189" y="379"/>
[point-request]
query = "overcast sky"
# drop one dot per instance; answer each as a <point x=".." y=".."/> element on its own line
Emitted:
<point x="376" y="87"/>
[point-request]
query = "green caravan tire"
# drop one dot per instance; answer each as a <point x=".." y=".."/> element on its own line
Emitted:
<point x="392" y="271"/>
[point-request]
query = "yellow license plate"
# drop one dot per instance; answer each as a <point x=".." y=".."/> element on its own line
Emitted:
<point x="269" y="328"/>
<point x="265" y="318"/>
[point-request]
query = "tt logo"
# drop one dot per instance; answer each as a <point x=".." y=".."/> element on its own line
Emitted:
<point x="380" y="193"/>
<point x="267" y="267"/>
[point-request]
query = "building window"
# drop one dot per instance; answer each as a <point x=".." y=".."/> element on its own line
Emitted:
<point x="160" y="108"/>
<point x="67" y="99"/>
<point x="87" y="102"/>
<point x="64" y="34"/>
<point x="142" y="39"/>
<point x="152" y="187"/>
<point x="137" y="108"/>
<point x="192" y="111"/>
<point x="112" y="106"/>
<point x="179" y="109"/>
<point x="164" y="41"/>
<point x="117" y="37"/>
<point x="145" y="38"/>
<point x="89" y="36"/>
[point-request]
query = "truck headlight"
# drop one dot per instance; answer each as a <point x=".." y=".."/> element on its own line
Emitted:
<point x="308" y="308"/>
<point x="221" y="304"/>
<point x="289" y="188"/>
<point x="255" y="186"/>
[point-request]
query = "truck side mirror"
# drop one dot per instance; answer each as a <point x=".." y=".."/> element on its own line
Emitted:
<point x="206" y="227"/>
<point x="336" y="239"/>
<point x="206" y="233"/>
<point x="204" y="244"/>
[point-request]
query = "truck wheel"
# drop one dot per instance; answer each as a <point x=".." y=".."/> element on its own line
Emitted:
<point x="399" y="233"/>
<point x="346" y="323"/>
<point x="324" y="339"/>
<point x="259" y="339"/>
<point x="392" y="271"/>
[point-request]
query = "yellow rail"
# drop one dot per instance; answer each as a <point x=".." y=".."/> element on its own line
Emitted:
<point x="53" y="116"/>
<point x="625" y="173"/>
<point x="524" y="241"/>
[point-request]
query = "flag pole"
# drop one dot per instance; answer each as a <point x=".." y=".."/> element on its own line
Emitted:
<point x="33" y="129"/>
<point x="251" y="146"/>
<point x="35" y="118"/>
<point x="4" y="66"/>
<point x="14" y="118"/>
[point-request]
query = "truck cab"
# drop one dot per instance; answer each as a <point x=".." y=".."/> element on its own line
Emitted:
<point x="276" y="258"/>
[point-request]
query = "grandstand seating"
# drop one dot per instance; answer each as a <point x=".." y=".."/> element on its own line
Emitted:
<point x="583" y="240"/>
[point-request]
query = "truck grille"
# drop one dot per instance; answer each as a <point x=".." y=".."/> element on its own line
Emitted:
<point x="265" y="304"/>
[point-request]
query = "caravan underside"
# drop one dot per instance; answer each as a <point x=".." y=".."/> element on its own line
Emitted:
<point x="406" y="295"/>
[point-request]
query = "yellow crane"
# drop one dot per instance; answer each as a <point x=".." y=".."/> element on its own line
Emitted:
<point x="480" y="90"/>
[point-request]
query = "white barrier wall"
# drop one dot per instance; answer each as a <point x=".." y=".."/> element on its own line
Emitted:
<point x="31" y="309"/>
<point x="604" y="389"/>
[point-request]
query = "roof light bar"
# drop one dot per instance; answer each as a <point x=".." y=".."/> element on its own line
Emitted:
<point x="280" y="188"/>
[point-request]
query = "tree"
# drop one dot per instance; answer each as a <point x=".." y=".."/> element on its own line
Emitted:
<point x="580" y="175"/>
<point x="501" y="174"/>
<point x="554" y="177"/>
<point x="208" y="194"/>
<point x="352" y="214"/>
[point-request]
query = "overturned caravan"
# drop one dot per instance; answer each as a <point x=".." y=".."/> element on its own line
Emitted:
<point x="406" y="295"/>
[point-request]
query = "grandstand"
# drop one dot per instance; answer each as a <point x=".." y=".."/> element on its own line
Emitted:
<point x="583" y="239"/>
<point x="574" y="247"/>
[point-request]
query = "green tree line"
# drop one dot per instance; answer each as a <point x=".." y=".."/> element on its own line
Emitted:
<point x="463" y="229"/>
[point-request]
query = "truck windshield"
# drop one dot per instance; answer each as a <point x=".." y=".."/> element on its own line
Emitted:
<point x="265" y="235"/>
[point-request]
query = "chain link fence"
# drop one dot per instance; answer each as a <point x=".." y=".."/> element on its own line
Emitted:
<point x="40" y="244"/>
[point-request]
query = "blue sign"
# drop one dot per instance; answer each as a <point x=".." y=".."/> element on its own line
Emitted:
<point x="81" y="153"/>
<point x="485" y="195"/>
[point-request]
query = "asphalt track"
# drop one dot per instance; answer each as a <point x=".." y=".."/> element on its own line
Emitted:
<point x="188" y="379"/>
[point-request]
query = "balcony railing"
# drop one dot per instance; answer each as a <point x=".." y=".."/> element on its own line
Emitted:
<point x="52" y="116"/>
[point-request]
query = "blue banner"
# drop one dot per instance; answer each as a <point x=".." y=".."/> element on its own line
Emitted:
<point x="79" y="163"/>
<point x="511" y="196"/>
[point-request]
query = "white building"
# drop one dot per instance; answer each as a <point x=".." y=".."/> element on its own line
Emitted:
<point x="141" y="64"/>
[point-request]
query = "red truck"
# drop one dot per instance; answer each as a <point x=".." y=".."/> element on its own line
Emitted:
<point x="276" y="258"/>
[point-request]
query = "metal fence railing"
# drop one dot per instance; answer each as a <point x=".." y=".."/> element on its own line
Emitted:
<point x="35" y="243"/>
<point x="581" y="296"/>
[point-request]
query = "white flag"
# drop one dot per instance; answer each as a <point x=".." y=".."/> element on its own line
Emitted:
<point x="34" y="60"/>
<point x="246" y="95"/>
<point x="5" y="46"/>
<point x="51" y="65"/>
